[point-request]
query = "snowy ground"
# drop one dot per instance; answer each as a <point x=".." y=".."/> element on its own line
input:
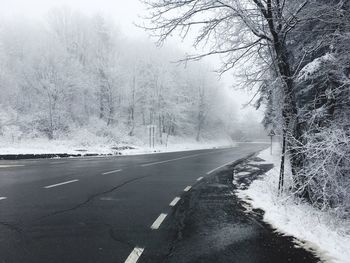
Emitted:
<point x="44" y="146"/>
<point x="327" y="235"/>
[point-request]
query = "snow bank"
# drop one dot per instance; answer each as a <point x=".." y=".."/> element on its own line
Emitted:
<point x="103" y="147"/>
<point x="328" y="236"/>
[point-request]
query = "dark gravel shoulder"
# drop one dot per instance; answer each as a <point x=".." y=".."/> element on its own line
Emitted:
<point x="211" y="224"/>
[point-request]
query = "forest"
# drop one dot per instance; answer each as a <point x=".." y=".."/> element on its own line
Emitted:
<point x="72" y="76"/>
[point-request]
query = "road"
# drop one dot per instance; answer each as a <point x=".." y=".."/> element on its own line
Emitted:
<point x="97" y="209"/>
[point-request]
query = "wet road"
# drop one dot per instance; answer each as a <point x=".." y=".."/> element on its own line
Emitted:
<point x="211" y="224"/>
<point x="98" y="209"/>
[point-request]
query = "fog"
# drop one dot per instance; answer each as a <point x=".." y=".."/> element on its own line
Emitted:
<point x="149" y="130"/>
<point x="126" y="15"/>
<point x="83" y="73"/>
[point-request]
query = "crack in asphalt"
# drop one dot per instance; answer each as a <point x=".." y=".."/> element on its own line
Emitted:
<point x="12" y="227"/>
<point x="115" y="238"/>
<point x="180" y="216"/>
<point x="90" y="198"/>
<point x="16" y="226"/>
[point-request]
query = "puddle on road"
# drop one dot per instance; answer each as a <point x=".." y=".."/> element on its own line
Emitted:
<point x="230" y="234"/>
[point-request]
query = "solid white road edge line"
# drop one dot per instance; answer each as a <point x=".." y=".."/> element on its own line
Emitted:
<point x="174" y="202"/>
<point x="199" y="178"/>
<point x="183" y="157"/>
<point x="67" y="182"/>
<point x="187" y="188"/>
<point x="134" y="255"/>
<point x="158" y="221"/>
<point x="3" y="198"/>
<point x="114" y="171"/>
<point x="217" y="168"/>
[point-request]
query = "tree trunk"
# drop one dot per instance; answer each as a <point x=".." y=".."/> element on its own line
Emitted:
<point x="160" y="128"/>
<point x="50" y="130"/>
<point x="283" y="154"/>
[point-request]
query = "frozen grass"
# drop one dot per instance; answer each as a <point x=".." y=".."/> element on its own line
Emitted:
<point x="321" y="231"/>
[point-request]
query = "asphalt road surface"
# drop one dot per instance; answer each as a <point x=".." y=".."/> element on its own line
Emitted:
<point x="98" y="209"/>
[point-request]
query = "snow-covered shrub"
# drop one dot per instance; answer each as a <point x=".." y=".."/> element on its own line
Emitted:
<point x="323" y="90"/>
<point x="327" y="169"/>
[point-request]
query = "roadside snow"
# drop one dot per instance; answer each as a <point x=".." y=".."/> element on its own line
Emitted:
<point x="44" y="146"/>
<point x="320" y="231"/>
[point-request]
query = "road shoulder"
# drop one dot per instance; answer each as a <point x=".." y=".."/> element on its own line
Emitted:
<point x="211" y="224"/>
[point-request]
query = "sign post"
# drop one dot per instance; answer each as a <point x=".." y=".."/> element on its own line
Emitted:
<point x="152" y="135"/>
<point x="271" y="134"/>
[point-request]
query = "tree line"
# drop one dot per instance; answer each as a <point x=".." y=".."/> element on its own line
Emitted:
<point x="70" y="72"/>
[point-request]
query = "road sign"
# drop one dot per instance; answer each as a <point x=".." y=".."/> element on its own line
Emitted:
<point x="271" y="134"/>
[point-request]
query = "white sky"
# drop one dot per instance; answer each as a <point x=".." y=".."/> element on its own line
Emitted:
<point x="124" y="12"/>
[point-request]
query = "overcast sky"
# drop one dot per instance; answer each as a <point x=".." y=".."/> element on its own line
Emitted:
<point x="124" y="12"/>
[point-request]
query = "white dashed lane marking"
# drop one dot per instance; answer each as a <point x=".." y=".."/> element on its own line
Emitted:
<point x="217" y="168"/>
<point x="10" y="165"/>
<point x="158" y="221"/>
<point x="199" y="178"/>
<point x="174" y="202"/>
<point x="183" y="157"/>
<point x="63" y="183"/>
<point x="2" y="198"/>
<point x="134" y="255"/>
<point x="187" y="188"/>
<point x="114" y="171"/>
<point x="170" y="160"/>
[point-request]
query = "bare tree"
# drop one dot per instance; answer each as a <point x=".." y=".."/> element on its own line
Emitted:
<point x="77" y="73"/>
<point x="238" y="31"/>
